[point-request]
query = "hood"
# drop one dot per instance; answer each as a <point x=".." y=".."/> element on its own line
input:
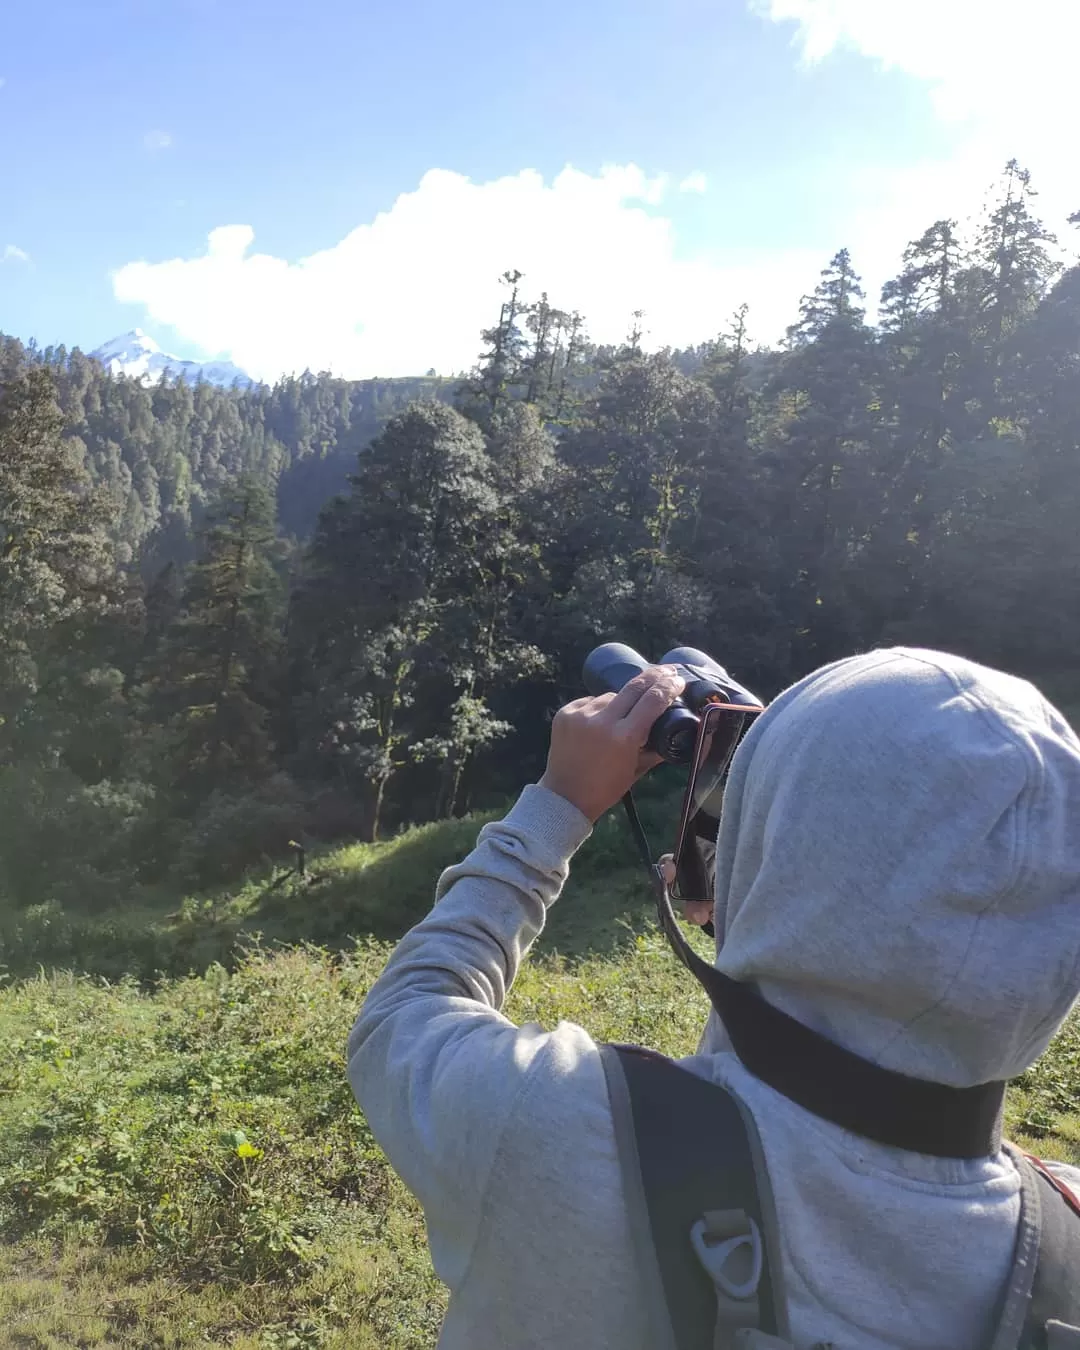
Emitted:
<point x="898" y="864"/>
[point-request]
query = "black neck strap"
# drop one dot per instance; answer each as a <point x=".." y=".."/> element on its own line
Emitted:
<point x="833" y="1083"/>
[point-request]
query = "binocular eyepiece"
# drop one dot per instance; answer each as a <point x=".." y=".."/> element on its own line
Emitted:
<point x="674" y="732"/>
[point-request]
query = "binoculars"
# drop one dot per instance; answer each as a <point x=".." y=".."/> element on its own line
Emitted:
<point x="674" y="732"/>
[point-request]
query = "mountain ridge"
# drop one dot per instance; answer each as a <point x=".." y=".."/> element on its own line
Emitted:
<point x="136" y="355"/>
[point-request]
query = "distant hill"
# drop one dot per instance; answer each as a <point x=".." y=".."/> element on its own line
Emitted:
<point x="136" y="355"/>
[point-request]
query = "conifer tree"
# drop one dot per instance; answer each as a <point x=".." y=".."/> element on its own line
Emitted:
<point x="56" y="563"/>
<point x="210" y="679"/>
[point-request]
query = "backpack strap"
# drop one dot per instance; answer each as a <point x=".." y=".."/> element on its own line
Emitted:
<point x="1053" y="1319"/>
<point x="700" y="1206"/>
<point x="1041" y="1306"/>
<point x="705" y="1231"/>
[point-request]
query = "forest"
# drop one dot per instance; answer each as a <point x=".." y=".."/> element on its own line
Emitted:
<point x="238" y="620"/>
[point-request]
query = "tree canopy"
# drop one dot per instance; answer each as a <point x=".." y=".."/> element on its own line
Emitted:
<point x="232" y="616"/>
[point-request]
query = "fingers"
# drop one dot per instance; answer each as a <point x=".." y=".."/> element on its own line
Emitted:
<point x="597" y="744"/>
<point x="588" y="704"/>
<point x="632" y="692"/>
<point x="698" y="912"/>
<point x="639" y="703"/>
<point x="654" y="700"/>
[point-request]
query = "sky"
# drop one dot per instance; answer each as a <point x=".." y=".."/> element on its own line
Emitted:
<point x="339" y="185"/>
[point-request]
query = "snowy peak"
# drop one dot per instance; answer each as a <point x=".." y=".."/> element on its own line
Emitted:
<point x="131" y="354"/>
<point x="138" y="356"/>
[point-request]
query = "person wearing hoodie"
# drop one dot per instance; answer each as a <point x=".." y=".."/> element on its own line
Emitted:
<point x="897" y="868"/>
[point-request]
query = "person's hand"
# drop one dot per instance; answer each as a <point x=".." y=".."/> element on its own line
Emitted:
<point x="597" y="749"/>
<point x="697" y="912"/>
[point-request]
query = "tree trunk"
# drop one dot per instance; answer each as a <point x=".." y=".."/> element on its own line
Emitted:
<point x="376" y="808"/>
<point x="228" y="652"/>
<point x="455" y="787"/>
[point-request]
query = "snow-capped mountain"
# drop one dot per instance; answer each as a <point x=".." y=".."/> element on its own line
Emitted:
<point x="139" y="356"/>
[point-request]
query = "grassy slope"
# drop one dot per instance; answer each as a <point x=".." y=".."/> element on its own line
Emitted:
<point x="372" y="890"/>
<point x="183" y="1165"/>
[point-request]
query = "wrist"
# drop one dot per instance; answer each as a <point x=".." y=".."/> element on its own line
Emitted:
<point x="551" y="820"/>
<point x="567" y="791"/>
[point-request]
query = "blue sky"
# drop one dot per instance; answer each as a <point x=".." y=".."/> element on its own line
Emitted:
<point x="365" y="169"/>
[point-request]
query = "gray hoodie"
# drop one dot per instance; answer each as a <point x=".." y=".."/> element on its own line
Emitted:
<point x="896" y="868"/>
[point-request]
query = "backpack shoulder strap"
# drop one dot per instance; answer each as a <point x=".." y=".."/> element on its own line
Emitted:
<point x="1055" y="1296"/>
<point x="700" y="1206"/>
<point x="1041" y="1306"/>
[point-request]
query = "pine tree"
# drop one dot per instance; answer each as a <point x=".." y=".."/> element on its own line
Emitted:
<point x="724" y="365"/>
<point x="160" y="607"/>
<point x="834" y="301"/>
<point x="1013" y="264"/>
<point x="503" y="363"/>
<point x="1041" y="502"/>
<point x="928" y="369"/>
<point x="629" y="506"/>
<point x="210" y="678"/>
<point x="632" y="346"/>
<point x="56" y="564"/>
<point x="927" y="284"/>
<point x="824" y="447"/>
<point x="574" y="368"/>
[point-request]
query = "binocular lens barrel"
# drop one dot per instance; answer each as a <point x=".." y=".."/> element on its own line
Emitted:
<point x="609" y="667"/>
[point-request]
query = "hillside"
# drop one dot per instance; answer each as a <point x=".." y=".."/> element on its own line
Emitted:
<point x="183" y="1163"/>
<point x="357" y="891"/>
<point x="203" y="1123"/>
<point x="164" y="436"/>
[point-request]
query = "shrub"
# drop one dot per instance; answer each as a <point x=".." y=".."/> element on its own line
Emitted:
<point x="63" y="839"/>
<point x="231" y="834"/>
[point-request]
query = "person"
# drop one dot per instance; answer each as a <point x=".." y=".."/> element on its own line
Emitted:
<point x="898" y="868"/>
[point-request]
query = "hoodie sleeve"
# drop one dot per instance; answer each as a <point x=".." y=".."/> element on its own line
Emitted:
<point x="433" y="1063"/>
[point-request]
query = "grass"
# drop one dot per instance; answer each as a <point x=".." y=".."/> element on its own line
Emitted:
<point x="375" y="890"/>
<point x="186" y="1166"/>
<point x="181" y="1160"/>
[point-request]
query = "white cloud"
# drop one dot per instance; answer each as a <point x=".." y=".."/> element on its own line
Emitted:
<point x="12" y="253"/>
<point x="1002" y="81"/>
<point x="414" y="287"/>
<point x="155" y="141"/>
<point x="1001" y="85"/>
<point x="964" y="48"/>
